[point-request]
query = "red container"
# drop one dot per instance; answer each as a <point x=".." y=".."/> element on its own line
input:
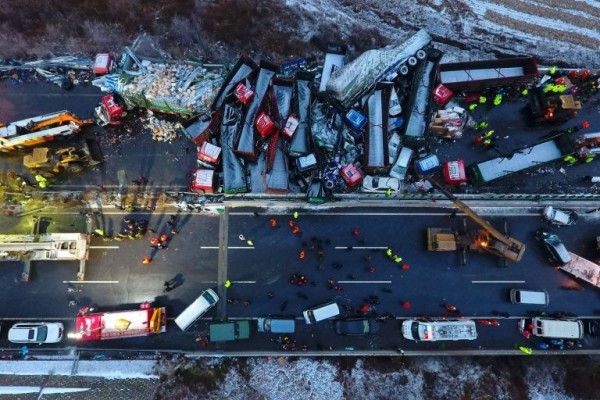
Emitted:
<point x="209" y="153"/>
<point x="264" y="125"/>
<point x="454" y="172"/>
<point x="103" y="64"/>
<point x="243" y="94"/>
<point x="442" y="95"/>
<point x="351" y="175"/>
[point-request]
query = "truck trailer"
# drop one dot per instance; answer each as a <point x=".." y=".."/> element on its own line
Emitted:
<point x="474" y="76"/>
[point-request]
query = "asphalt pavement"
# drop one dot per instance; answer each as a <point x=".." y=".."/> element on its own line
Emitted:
<point x="116" y="278"/>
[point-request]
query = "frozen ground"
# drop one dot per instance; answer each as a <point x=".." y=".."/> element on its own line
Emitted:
<point x="536" y="378"/>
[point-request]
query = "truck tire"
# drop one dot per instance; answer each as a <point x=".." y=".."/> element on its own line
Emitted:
<point x="412" y="61"/>
<point x="403" y="70"/>
<point x="421" y="54"/>
<point x="74" y="168"/>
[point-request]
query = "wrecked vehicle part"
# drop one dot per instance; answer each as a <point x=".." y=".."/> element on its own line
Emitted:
<point x="356" y="78"/>
<point x="170" y="88"/>
<point x="244" y="145"/>
<point x="335" y="58"/>
<point x="323" y="133"/>
<point x="240" y="71"/>
<point x="419" y="108"/>
<point x="234" y="171"/>
<point x="299" y="145"/>
<point x="276" y="180"/>
<point x="284" y="90"/>
<point x="375" y="157"/>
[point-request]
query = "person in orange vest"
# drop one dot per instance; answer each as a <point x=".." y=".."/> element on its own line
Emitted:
<point x="273" y="222"/>
<point x="301" y="255"/>
<point x="296" y="230"/>
<point x="146" y="260"/>
<point x="164" y="237"/>
<point x="154" y="241"/>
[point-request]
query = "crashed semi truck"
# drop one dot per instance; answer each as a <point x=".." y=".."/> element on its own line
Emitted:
<point x="474" y="76"/>
<point x="583" y="269"/>
<point x="349" y="83"/>
<point x="521" y="160"/>
<point x="35" y="130"/>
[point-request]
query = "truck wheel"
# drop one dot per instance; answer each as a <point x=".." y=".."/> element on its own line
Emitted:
<point x="74" y="168"/>
<point x="421" y="54"/>
<point x="404" y="70"/>
<point x="412" y="61"/>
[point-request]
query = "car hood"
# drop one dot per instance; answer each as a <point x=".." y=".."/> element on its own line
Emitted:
<point x="55" y="332"/>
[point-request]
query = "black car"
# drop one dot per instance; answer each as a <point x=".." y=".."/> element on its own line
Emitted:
<point x="556" y="249"/>
<point x="356" y="326"/>
<point x="594" y="328"/>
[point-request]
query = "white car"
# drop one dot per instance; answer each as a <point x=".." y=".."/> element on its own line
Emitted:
<point x="36" y="332"/>
<point x="559" y="217"/>
<point x="380" y="184"/>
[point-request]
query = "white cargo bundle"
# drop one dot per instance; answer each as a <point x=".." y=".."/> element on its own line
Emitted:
<point x="353" y="80"/>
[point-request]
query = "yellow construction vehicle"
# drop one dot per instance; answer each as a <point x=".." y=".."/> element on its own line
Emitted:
<point x="487" y="238"/>
<point x="69" y="159"/>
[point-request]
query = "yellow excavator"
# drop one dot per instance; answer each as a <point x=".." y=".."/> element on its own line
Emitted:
<point x="69" y="159"/>
<point x="487" y="239"/>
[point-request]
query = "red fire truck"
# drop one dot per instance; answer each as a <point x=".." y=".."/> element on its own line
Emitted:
<point x="145" y="321"/>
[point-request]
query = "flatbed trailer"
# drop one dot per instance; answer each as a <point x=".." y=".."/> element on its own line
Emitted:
<point x="120" y="324"/>
<point x="521" y="160"/>
<point x="474" y="76"/>
<point x="376" y="159"/>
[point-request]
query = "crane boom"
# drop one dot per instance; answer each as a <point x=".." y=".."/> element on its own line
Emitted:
<point x="508" y="247"/>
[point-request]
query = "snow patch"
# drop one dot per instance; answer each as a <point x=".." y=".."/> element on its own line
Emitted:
<point x="126" y="369"/>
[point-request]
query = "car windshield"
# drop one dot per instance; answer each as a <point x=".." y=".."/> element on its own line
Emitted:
<point x="208" y="298"/>
<point x="42" y="334"/>
<point x="375" y="182"/>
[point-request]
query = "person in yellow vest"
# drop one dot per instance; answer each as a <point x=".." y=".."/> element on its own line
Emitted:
<point x="42" y="182"/>
<point x="482" y="99"/>
<point x="472" y="107"/>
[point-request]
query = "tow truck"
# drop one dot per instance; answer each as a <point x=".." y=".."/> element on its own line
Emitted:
<point x="35" y="130"/>
<point x="487" y="239"/>
<point x="110" y="111"/>
<point x="145" y="321"/>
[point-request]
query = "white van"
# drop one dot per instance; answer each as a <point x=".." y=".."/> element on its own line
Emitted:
<point x="319" y="313"/>
<point x="553" y="328"/>
<point x="401" y="165"/>
<point x="198" y="308"/>
<point x="522" y="296"/>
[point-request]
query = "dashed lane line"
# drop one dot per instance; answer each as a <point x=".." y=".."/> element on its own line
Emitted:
<point x="360" y="248"/>
<point x="88" y="282"/>
<point x="232" y="282"/>
<point x="353" y="281"/>
<point x="497" y="281"/>
<point x="230" y="247"/>
<point x="103" y="247"/>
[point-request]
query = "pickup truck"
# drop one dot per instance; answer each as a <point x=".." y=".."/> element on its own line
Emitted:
<point x="226" y="331"/>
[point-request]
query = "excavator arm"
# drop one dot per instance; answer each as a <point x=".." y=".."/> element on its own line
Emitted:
<point x="490" y="239"/>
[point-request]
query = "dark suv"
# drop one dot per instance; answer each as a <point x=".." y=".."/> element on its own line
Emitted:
<point x="555" y="248"/>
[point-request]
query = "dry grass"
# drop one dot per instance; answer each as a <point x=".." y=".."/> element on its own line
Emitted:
<point x="550" y="13"/>
<point x="549" y="33"/>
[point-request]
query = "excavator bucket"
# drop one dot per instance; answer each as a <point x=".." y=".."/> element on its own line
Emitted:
<point x="37" y="158"/>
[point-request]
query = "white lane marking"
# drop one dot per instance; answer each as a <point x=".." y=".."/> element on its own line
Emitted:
<point x="440" y="214"/>
<point x="497" y="281"/>
<point x="213" y="282"/>
<point x="230" y="247"/>
<point x="85" y="282"/>
<point x="364" y="281"/>
<point x="360" y="248"/>
<point x="104" y="247"/>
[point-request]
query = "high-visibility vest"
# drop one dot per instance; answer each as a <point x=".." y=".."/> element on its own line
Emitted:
<point x="472" y="106"/>
<point x="482" y="100"/>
